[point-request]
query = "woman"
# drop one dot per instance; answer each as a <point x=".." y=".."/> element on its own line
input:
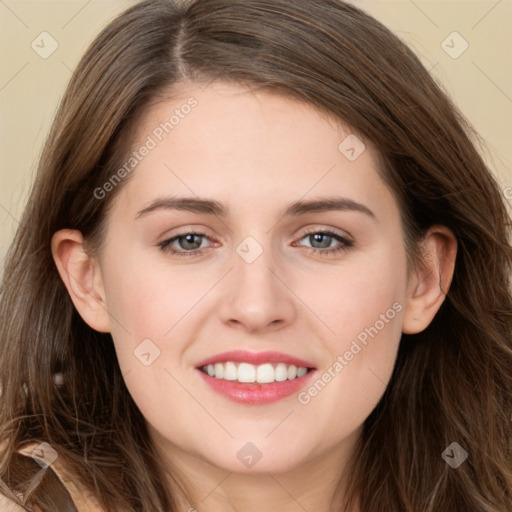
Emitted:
<point x="262" y="267"/>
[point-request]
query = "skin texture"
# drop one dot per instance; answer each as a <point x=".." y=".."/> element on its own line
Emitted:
<point x="256" y="153"/>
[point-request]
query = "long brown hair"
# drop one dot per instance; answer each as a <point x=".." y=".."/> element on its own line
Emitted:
<point x="451" y="383"/>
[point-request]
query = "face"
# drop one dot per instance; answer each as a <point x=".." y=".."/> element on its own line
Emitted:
<point x="223" y="240"/>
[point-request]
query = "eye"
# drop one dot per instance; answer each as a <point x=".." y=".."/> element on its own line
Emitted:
<point x="190" y="244"/>
<point x="321" y="242"/>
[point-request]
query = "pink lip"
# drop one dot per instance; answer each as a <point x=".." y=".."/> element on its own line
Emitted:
<point x="256" y="394"/>
<point x="256" y="358"/>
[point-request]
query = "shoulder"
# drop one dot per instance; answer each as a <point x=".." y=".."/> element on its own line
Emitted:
<point x="83" y="505"/>
<point x="7" y="505"/>
<point x="82" y="499"/>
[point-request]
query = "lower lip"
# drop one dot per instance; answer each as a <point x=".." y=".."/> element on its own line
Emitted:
<point x="256" y="394"/>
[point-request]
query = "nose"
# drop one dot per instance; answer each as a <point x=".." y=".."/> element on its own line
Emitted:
<point x="258" y="298"/>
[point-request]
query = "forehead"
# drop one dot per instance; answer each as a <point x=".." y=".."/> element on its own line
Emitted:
<point x="228" y="141"/>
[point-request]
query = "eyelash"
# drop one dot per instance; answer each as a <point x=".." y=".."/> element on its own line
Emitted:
<point x="165" y="246"/>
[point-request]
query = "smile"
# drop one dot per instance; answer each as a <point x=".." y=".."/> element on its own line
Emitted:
<point x="255" y="378"/>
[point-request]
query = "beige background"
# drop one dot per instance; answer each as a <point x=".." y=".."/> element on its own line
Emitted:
<point x="479" y="80"/>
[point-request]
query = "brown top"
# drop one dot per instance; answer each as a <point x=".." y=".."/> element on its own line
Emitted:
<point x="84" y="501"/>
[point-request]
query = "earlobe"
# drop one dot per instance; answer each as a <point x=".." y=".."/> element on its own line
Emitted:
<point x="81" y="275"/>
<point x="430" y="282"/>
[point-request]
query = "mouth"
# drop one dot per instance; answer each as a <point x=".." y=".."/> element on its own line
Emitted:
<point x="255" y="378"/>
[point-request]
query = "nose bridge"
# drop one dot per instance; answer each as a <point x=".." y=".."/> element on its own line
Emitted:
<point x="254" y="263"/>
<point x="257" y="298"/>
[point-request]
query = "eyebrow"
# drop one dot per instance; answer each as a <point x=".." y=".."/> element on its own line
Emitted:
<point x="212" y="207"/>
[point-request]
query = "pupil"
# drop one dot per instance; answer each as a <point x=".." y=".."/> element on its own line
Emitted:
<point x="189" y="240"/>
<point x="319" y="236"/>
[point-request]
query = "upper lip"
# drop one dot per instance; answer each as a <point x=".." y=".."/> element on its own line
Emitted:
<point x="256" y="358"/>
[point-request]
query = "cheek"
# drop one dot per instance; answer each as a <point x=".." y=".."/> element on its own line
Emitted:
<point x="364" y="310"/>
<point x="351" y="299"/>
<point x="149" y="299"/>
<point x="155" y="311"/>
<point x="348" y="388"/>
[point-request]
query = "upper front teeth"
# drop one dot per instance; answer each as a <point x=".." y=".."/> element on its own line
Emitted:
<point x="262" y="374"/>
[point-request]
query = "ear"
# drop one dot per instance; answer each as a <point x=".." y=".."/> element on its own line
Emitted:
<point x="82" y="277"/>
<point x="430" y="282"/>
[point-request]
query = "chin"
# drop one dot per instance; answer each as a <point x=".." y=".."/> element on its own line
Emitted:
<point x="256" y="458"/>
